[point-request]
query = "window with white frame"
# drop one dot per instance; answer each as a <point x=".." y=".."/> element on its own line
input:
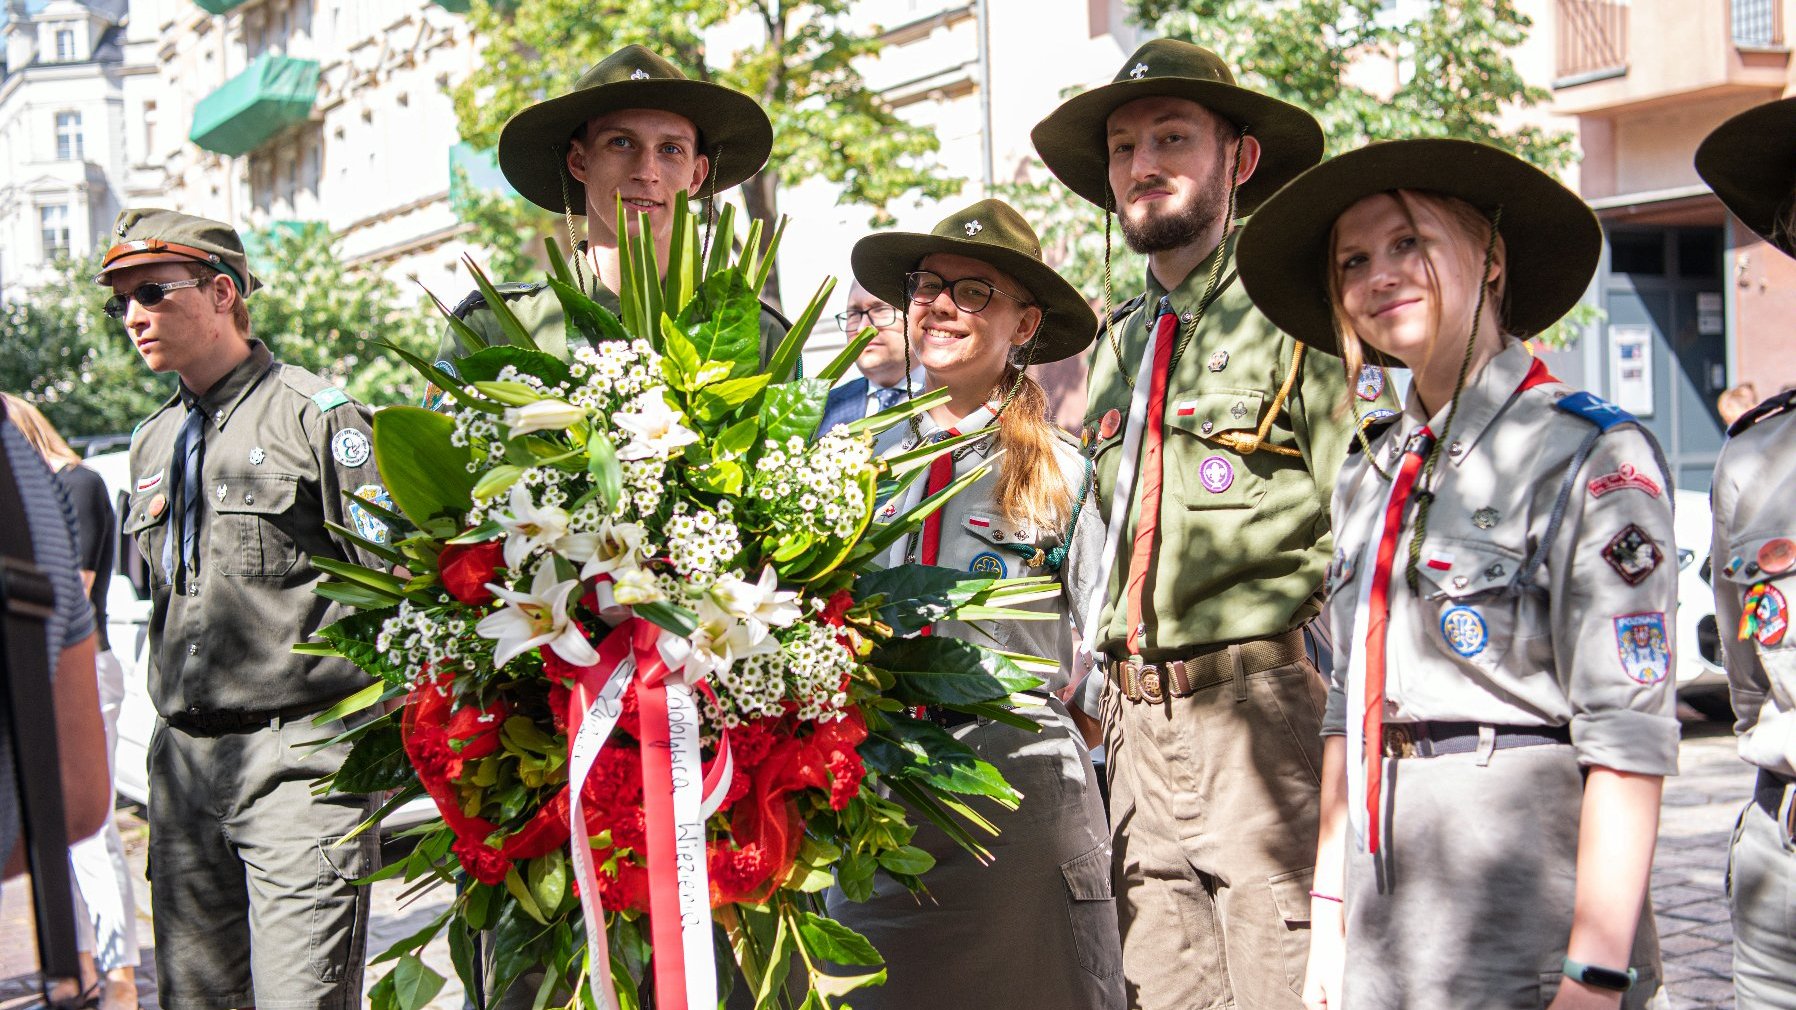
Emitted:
<point x="65" y="45"/>
<point x="53" y="222"/>
<point x="68" y="136"/>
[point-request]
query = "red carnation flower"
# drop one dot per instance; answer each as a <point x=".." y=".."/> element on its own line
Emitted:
<point x="485" y="863"/>
<point x="466" y="569"/>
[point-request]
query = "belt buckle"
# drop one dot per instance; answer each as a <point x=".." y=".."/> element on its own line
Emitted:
<point x="1399" y="742"/>
<point x="1151" y="686"/>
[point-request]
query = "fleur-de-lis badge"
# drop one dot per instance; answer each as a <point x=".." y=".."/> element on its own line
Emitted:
<point x="974" y="228"/>
<point x="639" y="75"/>
<point x="1139" y="71"/>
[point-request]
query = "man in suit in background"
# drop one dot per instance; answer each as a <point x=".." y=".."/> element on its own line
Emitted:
<point x="881" y="384"/>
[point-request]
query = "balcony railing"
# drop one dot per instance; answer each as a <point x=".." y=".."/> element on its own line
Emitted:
<point x="1758" y="23"/>
<point x="1593" y="38"/>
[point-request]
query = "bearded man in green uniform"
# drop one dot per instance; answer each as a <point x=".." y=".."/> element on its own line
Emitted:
<point x="633" y="128"/>
<point x="249" y="472"/>
<point x="1216" y="440"/>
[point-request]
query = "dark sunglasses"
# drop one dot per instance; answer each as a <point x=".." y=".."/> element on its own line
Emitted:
<point x="970" y="294"/>
<point x="146" y="295"/>
<point x="854" y="319"/>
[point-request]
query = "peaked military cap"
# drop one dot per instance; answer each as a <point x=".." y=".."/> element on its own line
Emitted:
<point x="990" y="231"/>
<point x="1750" y="163"/>
<point x="1551" y="236"/>
<point x="1071" y="140"/>
<point x="165" y="236"/>
<point x="733" y="131"/>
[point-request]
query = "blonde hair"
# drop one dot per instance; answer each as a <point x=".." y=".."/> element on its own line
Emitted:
<point x="38" y="430"/>
<point x="1031" y="490"/>
<point x="1464" y="221"/>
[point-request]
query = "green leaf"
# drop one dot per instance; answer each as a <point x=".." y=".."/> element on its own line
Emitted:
<point x="919" y="749"/>
<point x="381" y="995"/>
<point x="515" y="394"/>
<point x="367" y="697"/>
<point x="607" y="473"/>
<point x="794" y="409"/>
<point x="737" y="439"/>
<point x="485" y="366"/>
<point x="515" y="332"/>
<point x="376" y="762"/>
<point x="840" y="985"/>
<point x="838" y="365"/>
<point x="676" y="619"/>
<point x="587" y="320"/>
<point x="836" y="942"/>
<point x="947" y="671"/>
<point x="385" y="583"/>
<point x="414" y="984"/>
<point x="724" y="477"/>
<point x="497" y="481"/>
<point x="558" y="268"/>
<point x="896" y="414"/>
<point x="908" y="860"/>
<point x="425" y="474"/>
<point x="855" y="875"/>
<point x="715" y="401"/>
<point x="807" y="321"/>
<point x="724" y="320"/>
<point x="917" y="596"/>
<point x="379" y="550"/>
<point x="515" y="886"/>
<point x="548" y="877"/>
<point x="679" y="357"/>
<point x="351" y="594"/>
<point x="354" y="639"/>
<point x="777" y="964"/>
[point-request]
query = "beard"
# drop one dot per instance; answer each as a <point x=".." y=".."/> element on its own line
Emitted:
<point x="1163" y="229"/>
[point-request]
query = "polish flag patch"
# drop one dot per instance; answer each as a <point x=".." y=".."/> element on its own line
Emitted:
<point x="1440" y="561"/>
<point x="1187" y="408"/>
<point x="979" y="521"/>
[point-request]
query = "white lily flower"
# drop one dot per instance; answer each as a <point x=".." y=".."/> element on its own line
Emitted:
<point x="543" y="415"/>
<point x="538" y="617"/>
<point x="761" y="602"/>
<point x="636" y="585"/>
<point x="717" y="643"/>
<point x="528" y="527"/>
<point x="611" y="549"/>
<point x="654" y="426"/>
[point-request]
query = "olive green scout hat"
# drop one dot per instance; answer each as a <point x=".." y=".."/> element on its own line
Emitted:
<point x="1750" y="163"/>
<point x="1072" y="139"/>
<point x="1551" y="236"/>
<point x="166" y="236"/>
<point x="990" y="231"/>
<point x="733" y="131"/>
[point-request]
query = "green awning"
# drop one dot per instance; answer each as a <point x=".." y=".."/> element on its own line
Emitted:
<point x="258" y="244"/>
<point x="271" y="94"/>
<point x="471" y="171"/>
<point x="219" y="6"/>
<point x="456" y="6"/>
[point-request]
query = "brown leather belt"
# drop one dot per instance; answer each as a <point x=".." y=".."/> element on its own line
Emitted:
<point x="1153" y="683"/>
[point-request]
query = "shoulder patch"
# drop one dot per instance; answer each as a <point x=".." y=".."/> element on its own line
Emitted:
<point x="1597" y="411"/>
<point x="1117" y="314"/>
<point x="330" y="399"/>
<point x="1771" y="407"/>
<point x="509" y="292"/>
<point x="1373" y="424"/>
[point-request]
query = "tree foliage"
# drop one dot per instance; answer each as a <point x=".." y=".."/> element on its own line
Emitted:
<point x="59" y="350"/>
<point x="800" y="66"/>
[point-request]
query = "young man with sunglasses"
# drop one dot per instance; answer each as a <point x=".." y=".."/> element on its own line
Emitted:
<point x="881" y="382"/>
<point x="239" y="481"/>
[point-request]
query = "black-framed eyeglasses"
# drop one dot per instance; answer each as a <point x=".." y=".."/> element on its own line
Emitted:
<point x="146" y="295"/>
<point x="969" y="294"/>
<point x="854" y="320"/>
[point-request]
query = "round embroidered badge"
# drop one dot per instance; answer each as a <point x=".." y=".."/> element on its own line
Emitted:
<point x="1465" y="631"/>
<point x="1216" y="473"/>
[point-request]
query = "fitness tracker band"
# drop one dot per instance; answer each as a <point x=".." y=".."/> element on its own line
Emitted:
<point x="1599" y="977"/>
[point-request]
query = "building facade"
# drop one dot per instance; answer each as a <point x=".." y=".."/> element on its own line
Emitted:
<point x="62" y="160"/>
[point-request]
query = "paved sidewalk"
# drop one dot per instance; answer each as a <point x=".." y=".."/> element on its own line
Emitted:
<point x="1688" y="874"/>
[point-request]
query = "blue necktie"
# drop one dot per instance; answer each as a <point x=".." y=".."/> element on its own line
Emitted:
<point x="184" y="465"/>
<point x="887" y="396"/>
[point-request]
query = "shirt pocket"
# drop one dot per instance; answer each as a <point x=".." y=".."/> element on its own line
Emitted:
<point x="146" y="523"/>
<point x="1765" y="596"/>
<point x="1001" y="548"/>
<point x="1471" y="611"/>
<point x="254" y="536"/>
<point x="1203" y="474"/>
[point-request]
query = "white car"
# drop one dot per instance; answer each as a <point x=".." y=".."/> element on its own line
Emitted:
<point x="127" y="628"/>
<point x="1702" y="681"/>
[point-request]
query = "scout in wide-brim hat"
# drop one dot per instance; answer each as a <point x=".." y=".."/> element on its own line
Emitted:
<point x="1551" y="236"/>
<point x="1750" y="163"/>
<point x="151" y="235"/>
<point x="733" y="131"/>
<point x="1072" y="139"/>
<point x="990" y="231"/>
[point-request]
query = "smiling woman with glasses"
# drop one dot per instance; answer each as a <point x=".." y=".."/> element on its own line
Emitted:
<point x="1024" y="513"/>
<point x="147" y="295"/>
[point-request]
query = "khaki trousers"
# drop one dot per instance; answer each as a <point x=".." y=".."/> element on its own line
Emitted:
<point x="1213" y="810"/>
<point x="1761" y="894"/>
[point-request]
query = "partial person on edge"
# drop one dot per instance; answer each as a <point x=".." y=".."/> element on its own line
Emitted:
<point x="887" y="378"/>
<point x="1750" y="162"/>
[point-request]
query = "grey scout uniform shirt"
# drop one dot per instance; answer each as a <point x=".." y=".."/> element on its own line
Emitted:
<point x="977" y="538"/>
<point x="1588" y="644"/>
<point x="1247" y="560"/>
<point x="282" y="447"/>
<point x="1754" y="502"/>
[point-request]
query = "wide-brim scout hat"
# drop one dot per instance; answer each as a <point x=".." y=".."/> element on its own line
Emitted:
<point x="148" y="236"/>
<point x="1072" y="139"/>
<point x="733" y="131"/>
<point x="990" y="231"/>
<point x="1551" y="236"/>
<point x="1750" y="163"/>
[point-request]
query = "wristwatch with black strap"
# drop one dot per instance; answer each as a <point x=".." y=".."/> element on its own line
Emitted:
<point x="1599" y="977"/>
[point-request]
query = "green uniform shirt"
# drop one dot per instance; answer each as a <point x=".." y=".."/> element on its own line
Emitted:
<point x="1241" y="554"/>
<point x="281" y="446"/>
<point x="537" y="307"/>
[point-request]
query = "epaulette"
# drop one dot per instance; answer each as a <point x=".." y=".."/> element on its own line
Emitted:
<point x="323" y="395"/>
<point x="1117" y="314"/>
<point x="1772" y="407"/>
<point x="768" y="310"/>
<point x="1597" y="411"/>
<point x="510" y="292"/>
<point x="1372" y="426"/>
